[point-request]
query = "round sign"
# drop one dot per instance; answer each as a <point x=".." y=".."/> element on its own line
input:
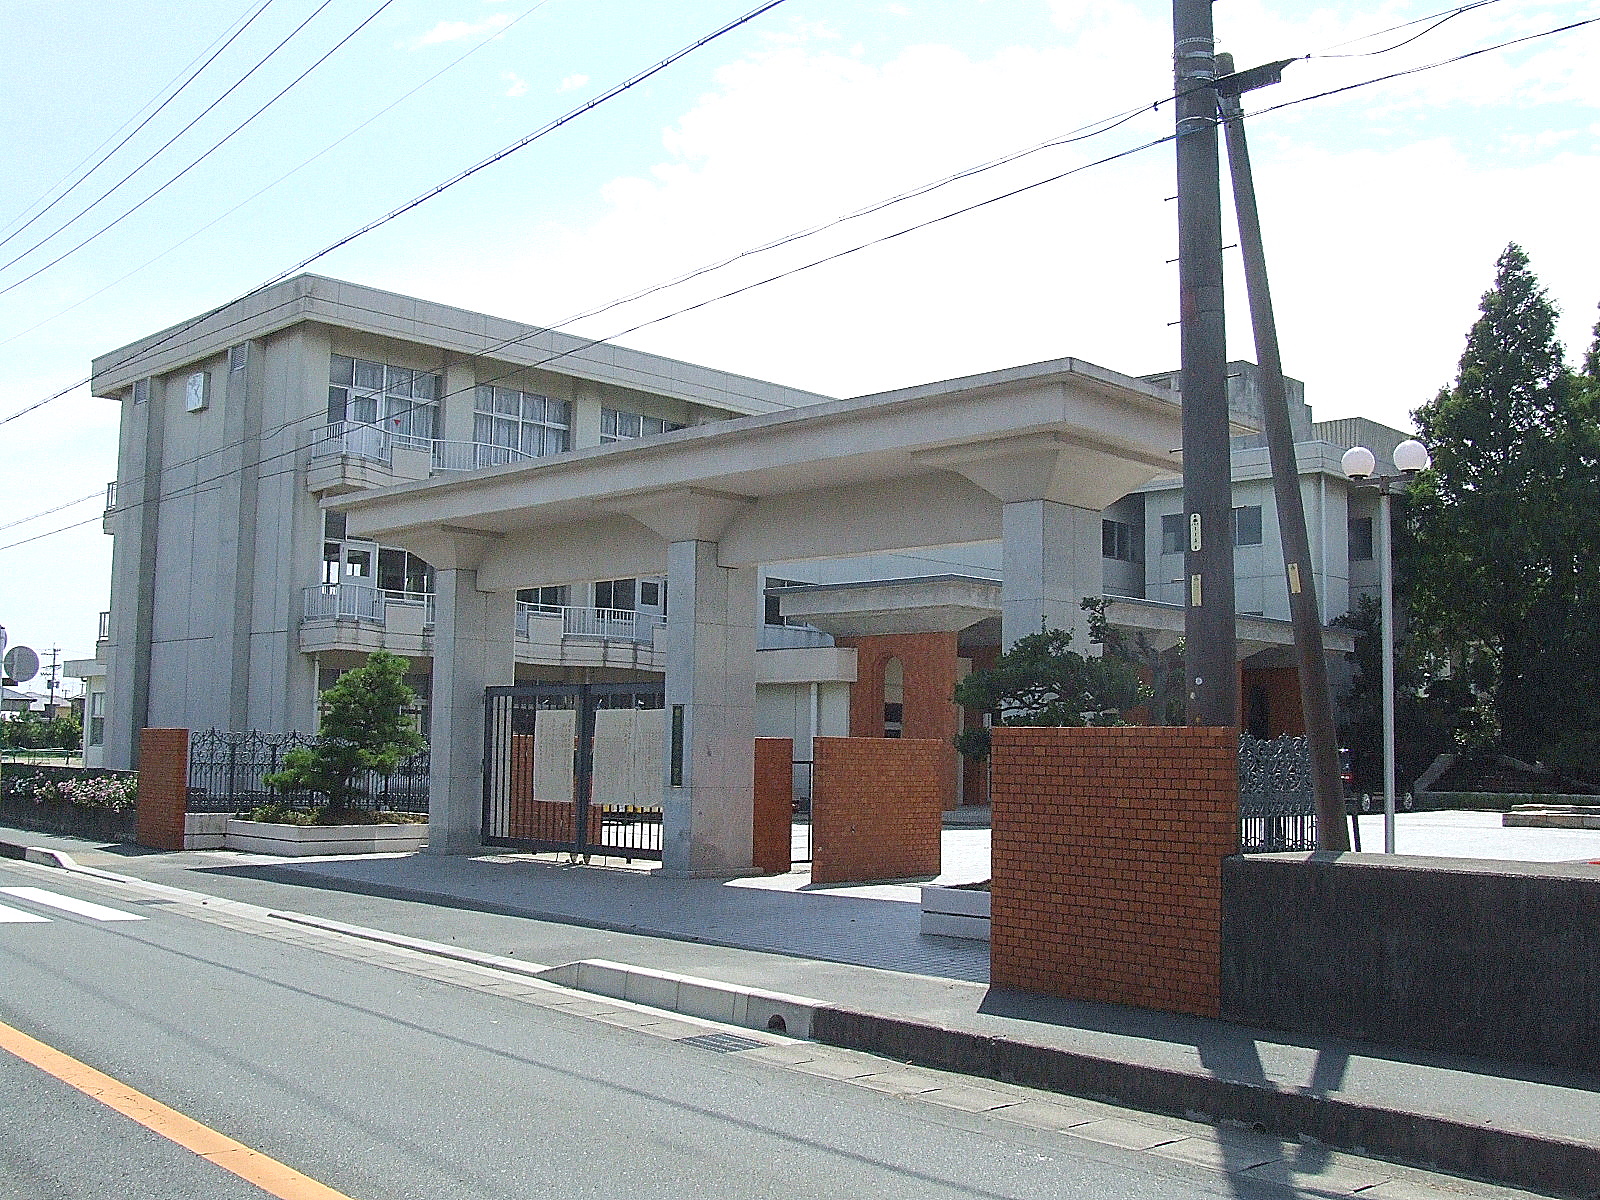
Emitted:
<point x="21" y="663"/>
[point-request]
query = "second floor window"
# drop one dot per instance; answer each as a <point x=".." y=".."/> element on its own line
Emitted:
<point x="527" y="422"/>
<point x="619" y="426"/>
<point x="398" y="400"/>
<point x="1121" y="540"/>
<point x="1247" y="525"/>
<point x="1361" y="539"/>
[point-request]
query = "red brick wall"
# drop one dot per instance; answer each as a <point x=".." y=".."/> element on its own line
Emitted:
<point x="1281" y="689"/>
<point x="876" y="808"/>
<point x="163" y="796"/>
<point x="929" y="661"/>
<point x="1107" y="851"/>
<point x="771" y="842"/>
<point x="540" y="820"/>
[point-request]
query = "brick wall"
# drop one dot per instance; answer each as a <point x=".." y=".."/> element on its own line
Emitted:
<point x="771" y="841"/>
<point x="929" y="663"/>
<point x="1277" y="691"/>
<point x="163" y="797"/>
<point x="540" y="820"/>
<point x="876" y="808"/>
<point x="1107" y="851"/>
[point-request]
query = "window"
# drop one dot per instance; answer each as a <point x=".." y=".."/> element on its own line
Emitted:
<point x="1247" y="526"/>
<point x="1173" y="536"/>
<point x="1361" y="539"/>
<point x="347" y="562"/>
<point x="333" y="526"/>
<point x="197" y="391"/>
<point x="399" y="571"/>
<point x="1121" y="540"/>
<point x="650" y="594"/>
<point x="402" y="401"/>
<point x="239" y="356"/>
<point x="618" y="426"/>
<point x="141" y="391"/>
<point x="97" y="718"/>
<point x="615" y="593"/>
<point x="544" y="597"/>
<point x="774" y="610"/>
<point x="523" y="421"/>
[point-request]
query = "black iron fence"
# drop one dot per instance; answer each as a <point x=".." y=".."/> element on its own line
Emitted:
<point x="1277" y="806"/>
<point x="226" y="773"/>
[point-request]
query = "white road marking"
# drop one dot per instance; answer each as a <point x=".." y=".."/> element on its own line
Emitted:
<point x="82" y="908"/>
<point x="15" y="916"/>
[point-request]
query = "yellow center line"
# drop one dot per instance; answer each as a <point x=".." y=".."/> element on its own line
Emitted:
<point x="253" y="1167"/>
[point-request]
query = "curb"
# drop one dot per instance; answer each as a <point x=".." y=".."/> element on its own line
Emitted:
<point x="1515" y="1158"/>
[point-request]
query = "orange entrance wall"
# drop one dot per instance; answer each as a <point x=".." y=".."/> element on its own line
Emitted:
<point x="929" y="663"/>
<point x="1278" y="689"/>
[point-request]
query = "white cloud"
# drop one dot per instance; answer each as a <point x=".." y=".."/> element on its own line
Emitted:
<point x="572" y="83"/>
<point x="455" y="31"/>
<point x="515" y="84"/>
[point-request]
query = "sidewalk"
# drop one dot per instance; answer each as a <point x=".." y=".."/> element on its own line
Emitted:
<point x="885" y="988"/>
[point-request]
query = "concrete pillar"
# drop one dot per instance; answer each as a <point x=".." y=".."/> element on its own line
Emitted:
<point x="711" y="697"/>
<point x="473" y="648"/>
<point x="1050" y="560"/>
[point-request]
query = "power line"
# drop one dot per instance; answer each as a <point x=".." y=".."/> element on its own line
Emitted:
<point x="521" y="143"/>
<point x="153" y="114"/>
<point x="207" y="154"/>
<point x="48" y="511"/>
<point x="499" y="31"/>
<point x="1438" y="19"/>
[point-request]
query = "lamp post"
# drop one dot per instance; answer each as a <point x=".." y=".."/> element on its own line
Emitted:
<point x="1359" y="463"/>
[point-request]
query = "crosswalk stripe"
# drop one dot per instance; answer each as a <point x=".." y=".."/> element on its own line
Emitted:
<point x="15" y="916"/>
<point x="82" y="908"/>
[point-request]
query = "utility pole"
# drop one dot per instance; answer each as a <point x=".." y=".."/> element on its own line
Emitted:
<point x="1210" y="661"/>
<point x="1315" y="699"/>
<point x="50" y="686"/>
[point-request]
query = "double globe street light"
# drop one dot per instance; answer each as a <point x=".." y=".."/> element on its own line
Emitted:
<point x="1359" y="463"/>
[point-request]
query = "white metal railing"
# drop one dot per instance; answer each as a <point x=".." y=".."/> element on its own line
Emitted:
<point x="527" y="613"/>
<point x="790" y="637"/>
<point x="473" y="456"/>
<point x="353" y="438"/>
<point x="344" y="601"/>
<point x="619" y="623"/>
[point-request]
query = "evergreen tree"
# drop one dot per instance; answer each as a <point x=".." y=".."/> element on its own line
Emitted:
<point x="1506" y="538"/>
<point x="1041" y="680"/>
<point x="364" y="728"/>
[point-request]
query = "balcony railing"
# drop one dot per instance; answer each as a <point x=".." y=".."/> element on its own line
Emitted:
<point x="617" y="623"/>
<point x="527" y="613"/>
<point x="377" y="445"/>
<point x="344" y="602"/>
<point x="791" y="637"/>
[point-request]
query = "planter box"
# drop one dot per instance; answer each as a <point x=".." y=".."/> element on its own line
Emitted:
<point x="956" y="912"/>
<point x="300" y="841"/>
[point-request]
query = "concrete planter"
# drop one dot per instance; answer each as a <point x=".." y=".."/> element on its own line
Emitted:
<point x="300" y="841"/>
<point x="956" y="912"/>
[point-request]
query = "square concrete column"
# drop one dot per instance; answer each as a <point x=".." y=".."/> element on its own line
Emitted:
<point x="473" y="648"/>
<point x="1050" y="560"/>
<point x="709" y="796"/>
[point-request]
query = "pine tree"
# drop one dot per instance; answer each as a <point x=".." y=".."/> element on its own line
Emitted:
<point x="1507" y="541"/>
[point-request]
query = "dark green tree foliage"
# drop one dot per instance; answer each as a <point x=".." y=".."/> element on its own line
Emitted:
<point x="364" y="728"/>
<point x="1162" y="666"/>
<point x="33" y="731"/>
<point x="1041" y="680"/>
<point x="1507" y="526"/>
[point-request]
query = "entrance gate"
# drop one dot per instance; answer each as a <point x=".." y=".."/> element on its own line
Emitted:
<point x="575" y="768"/>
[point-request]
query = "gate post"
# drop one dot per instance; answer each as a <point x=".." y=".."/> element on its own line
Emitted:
<point x="473" y="648"/>
<point x="162" y="804"/>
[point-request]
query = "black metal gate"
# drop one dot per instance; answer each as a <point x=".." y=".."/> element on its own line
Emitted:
<point x="539" y="772"/>
<point x="1277" y="806"/>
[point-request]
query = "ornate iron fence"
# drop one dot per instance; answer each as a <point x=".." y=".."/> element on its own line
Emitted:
<point x="226" y="773"/>
<point x="1277" y="806"/>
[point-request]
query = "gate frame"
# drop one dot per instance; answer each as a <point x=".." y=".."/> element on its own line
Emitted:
<point x="585" y="697"/>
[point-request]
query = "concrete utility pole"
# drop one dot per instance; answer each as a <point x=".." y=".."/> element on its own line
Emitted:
<point x="1211" y="665"/>
<point x="1312" y="664"/>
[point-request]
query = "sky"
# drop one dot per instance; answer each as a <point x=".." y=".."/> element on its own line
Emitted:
<point x="1384" y="206"/>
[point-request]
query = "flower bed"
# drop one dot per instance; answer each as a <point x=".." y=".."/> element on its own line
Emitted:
<point x="73" y="801"/>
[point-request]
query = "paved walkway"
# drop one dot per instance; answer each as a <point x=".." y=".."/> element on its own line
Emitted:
<point x="926" y="998"/>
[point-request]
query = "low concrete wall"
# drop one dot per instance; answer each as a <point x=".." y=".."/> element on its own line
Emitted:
<point x="1492" y="958"/>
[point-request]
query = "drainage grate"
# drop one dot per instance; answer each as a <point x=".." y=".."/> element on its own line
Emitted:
<point x="722" y="1043"/>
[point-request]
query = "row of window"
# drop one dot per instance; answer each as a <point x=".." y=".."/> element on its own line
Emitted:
<point x="617" y="425"/>
<point x="1124" y="541"/>
<point x="402" y="401"/>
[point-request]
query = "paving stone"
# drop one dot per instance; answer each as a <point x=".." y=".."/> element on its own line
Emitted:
<point x="1127" y="1134"/>
<point x="898" y="1083"/>
<point x="1043" y="1114"/>
<point x="1224" y="1152"/>
<point x="1331" y="1179"/>
<point x="967" y="1098"/>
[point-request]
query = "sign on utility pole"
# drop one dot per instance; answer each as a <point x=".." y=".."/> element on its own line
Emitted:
<point x="1212" y="682"/>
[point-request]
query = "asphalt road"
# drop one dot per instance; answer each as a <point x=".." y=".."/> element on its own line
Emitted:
<point x="382" y="1076"/>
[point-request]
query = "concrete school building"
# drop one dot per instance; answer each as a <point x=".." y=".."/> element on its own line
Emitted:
<point x="322" y="469"/>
